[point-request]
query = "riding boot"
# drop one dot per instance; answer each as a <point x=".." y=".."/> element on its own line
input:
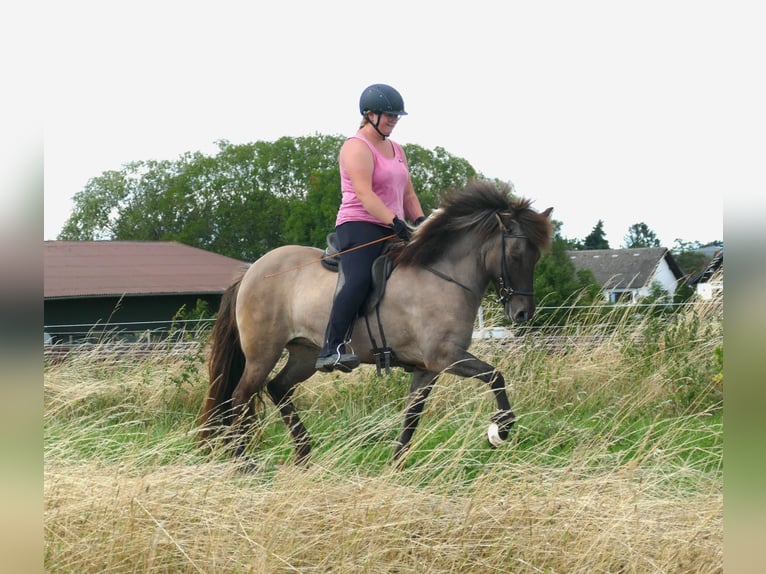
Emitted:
<point x="339" y="359"/>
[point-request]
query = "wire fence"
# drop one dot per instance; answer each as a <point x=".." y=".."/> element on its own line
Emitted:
<point x="583" y="325"/>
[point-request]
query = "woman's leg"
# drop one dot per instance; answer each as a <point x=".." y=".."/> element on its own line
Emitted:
<point x="354" y="283"/>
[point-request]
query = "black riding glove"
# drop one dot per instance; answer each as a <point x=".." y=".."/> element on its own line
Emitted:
<point x="420" y="220"/>
<point x="400" y="229"/>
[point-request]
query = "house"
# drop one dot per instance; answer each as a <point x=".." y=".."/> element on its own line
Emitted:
<point x="128" y="286"/>
<point x="627" y="275"/>
<point x="710" y="281"/>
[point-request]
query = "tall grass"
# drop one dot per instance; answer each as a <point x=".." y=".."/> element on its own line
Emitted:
<point x="615" y="465"/>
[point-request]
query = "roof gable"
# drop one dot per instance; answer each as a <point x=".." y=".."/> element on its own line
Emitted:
<point x="624" y="268"/>
<point x="117" y="268"/>
<point x="713" y="266"/>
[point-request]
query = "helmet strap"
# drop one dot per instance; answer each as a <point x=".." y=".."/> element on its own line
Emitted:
<point x="377" y="123"/>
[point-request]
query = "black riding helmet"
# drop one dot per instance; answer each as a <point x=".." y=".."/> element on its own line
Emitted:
<point x="381" y="99"/>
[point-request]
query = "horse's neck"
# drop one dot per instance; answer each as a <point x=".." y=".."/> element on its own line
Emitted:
<point x="464" y="262"/>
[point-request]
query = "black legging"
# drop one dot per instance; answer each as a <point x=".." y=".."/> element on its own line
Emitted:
<point x="356" y="276"/>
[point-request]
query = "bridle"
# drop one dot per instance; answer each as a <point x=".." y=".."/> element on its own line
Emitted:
<point x="505" y="292"/>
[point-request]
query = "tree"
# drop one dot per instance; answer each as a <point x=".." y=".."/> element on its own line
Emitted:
<point x="312" y="218"/>
<point x="557" y="282"/>
<point x="639" y="235"/>
<point x="690" y="257"/>
<point x="435" y="171"/>
<point x="596" y="239"/>
<point x="243" y="201"/>
<point x="96" y="207"/>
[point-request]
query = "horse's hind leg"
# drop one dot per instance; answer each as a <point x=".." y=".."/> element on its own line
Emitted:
<point x="299" y="367"/>
<point x="420" y="388"/>
<point x="246" y="397"/>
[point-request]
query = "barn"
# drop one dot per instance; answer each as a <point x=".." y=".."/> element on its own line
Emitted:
<point x="127" y="287"/>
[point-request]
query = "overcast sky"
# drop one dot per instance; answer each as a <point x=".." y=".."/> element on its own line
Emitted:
<point x="624" y="112"/>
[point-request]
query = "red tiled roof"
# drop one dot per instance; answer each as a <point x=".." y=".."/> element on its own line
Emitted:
<point x="116" y="268"/>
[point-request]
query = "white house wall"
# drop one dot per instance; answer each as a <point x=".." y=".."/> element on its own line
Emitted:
<point x="709" y="290"/>
<point x="664" y="276"/>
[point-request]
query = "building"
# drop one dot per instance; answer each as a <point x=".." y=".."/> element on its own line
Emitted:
<point x="128" y="287"/>
<point x="709" y="283"/>
<point x="627" y="275"/>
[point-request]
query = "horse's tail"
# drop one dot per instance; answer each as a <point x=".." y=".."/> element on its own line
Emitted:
<point x="225" y="366"/>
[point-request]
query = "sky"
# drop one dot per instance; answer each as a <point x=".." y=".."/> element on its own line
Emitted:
<point x="614" y="111"/>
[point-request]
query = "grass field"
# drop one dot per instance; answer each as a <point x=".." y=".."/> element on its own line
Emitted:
<point x="615" y="465"/>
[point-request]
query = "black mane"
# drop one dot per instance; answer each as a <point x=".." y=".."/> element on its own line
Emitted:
<point x="472" y="208"/>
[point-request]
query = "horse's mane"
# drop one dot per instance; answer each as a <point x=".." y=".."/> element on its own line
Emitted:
<point x="472" y="208"/>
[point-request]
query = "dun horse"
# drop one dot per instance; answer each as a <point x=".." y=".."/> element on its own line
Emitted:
<point x="479" y="235"/>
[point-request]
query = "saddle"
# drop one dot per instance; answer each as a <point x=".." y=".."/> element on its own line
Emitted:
<point x="381" y="271"/>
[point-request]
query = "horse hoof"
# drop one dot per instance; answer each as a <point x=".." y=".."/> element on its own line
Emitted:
<point x="493" y="436"/>
<point x="246" y="465"/>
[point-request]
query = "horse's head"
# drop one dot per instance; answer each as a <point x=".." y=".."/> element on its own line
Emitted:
<point x="524" y="233"/>
<point x="484" y="220"/>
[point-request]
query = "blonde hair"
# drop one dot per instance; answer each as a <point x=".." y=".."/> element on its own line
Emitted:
<point x="365" y="119"/>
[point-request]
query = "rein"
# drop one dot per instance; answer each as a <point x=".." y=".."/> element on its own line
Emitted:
<point x="505" y="291"/>
<point x="447" y="278"/>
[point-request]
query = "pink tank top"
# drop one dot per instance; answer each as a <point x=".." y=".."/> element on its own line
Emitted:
<point x="389" y="182"/>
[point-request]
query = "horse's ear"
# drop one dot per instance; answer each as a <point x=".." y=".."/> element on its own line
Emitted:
<point x="505" y="219"/>
<point x="547" y="212"/>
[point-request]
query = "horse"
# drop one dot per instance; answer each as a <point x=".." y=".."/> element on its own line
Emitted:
<point x="480" y="234"/>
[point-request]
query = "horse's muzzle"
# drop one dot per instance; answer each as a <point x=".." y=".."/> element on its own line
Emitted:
<point x="520" y="313"/>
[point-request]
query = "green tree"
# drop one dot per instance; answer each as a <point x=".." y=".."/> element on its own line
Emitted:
<point x="690" y="257"/>
<point x="558" y="283"/>
<point x="310" y="219"/>
<point x="97" y="207"/>
<point x="596" y="239"/>
<point x="243" y="201"/>
<point x="160" y="203"/>
<point x="639" y="235"/>
<point x="435" y="171"/>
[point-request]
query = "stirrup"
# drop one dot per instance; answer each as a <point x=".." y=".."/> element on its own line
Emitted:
<point x="344" y="362"/>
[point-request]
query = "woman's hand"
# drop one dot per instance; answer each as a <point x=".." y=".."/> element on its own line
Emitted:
<point x="400" y="229"/>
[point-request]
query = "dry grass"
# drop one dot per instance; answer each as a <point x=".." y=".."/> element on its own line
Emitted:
<point x="206" y="518"/>
<point x="606" y="472"/>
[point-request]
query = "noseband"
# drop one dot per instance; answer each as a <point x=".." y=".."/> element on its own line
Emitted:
<point x="504" y="291"/>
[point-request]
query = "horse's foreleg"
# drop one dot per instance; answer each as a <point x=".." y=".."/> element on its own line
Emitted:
<point x="420" y="388"/>
<point x="502" y="421"/>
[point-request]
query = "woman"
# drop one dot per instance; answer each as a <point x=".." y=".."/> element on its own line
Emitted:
<point x="377" y="195"/>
